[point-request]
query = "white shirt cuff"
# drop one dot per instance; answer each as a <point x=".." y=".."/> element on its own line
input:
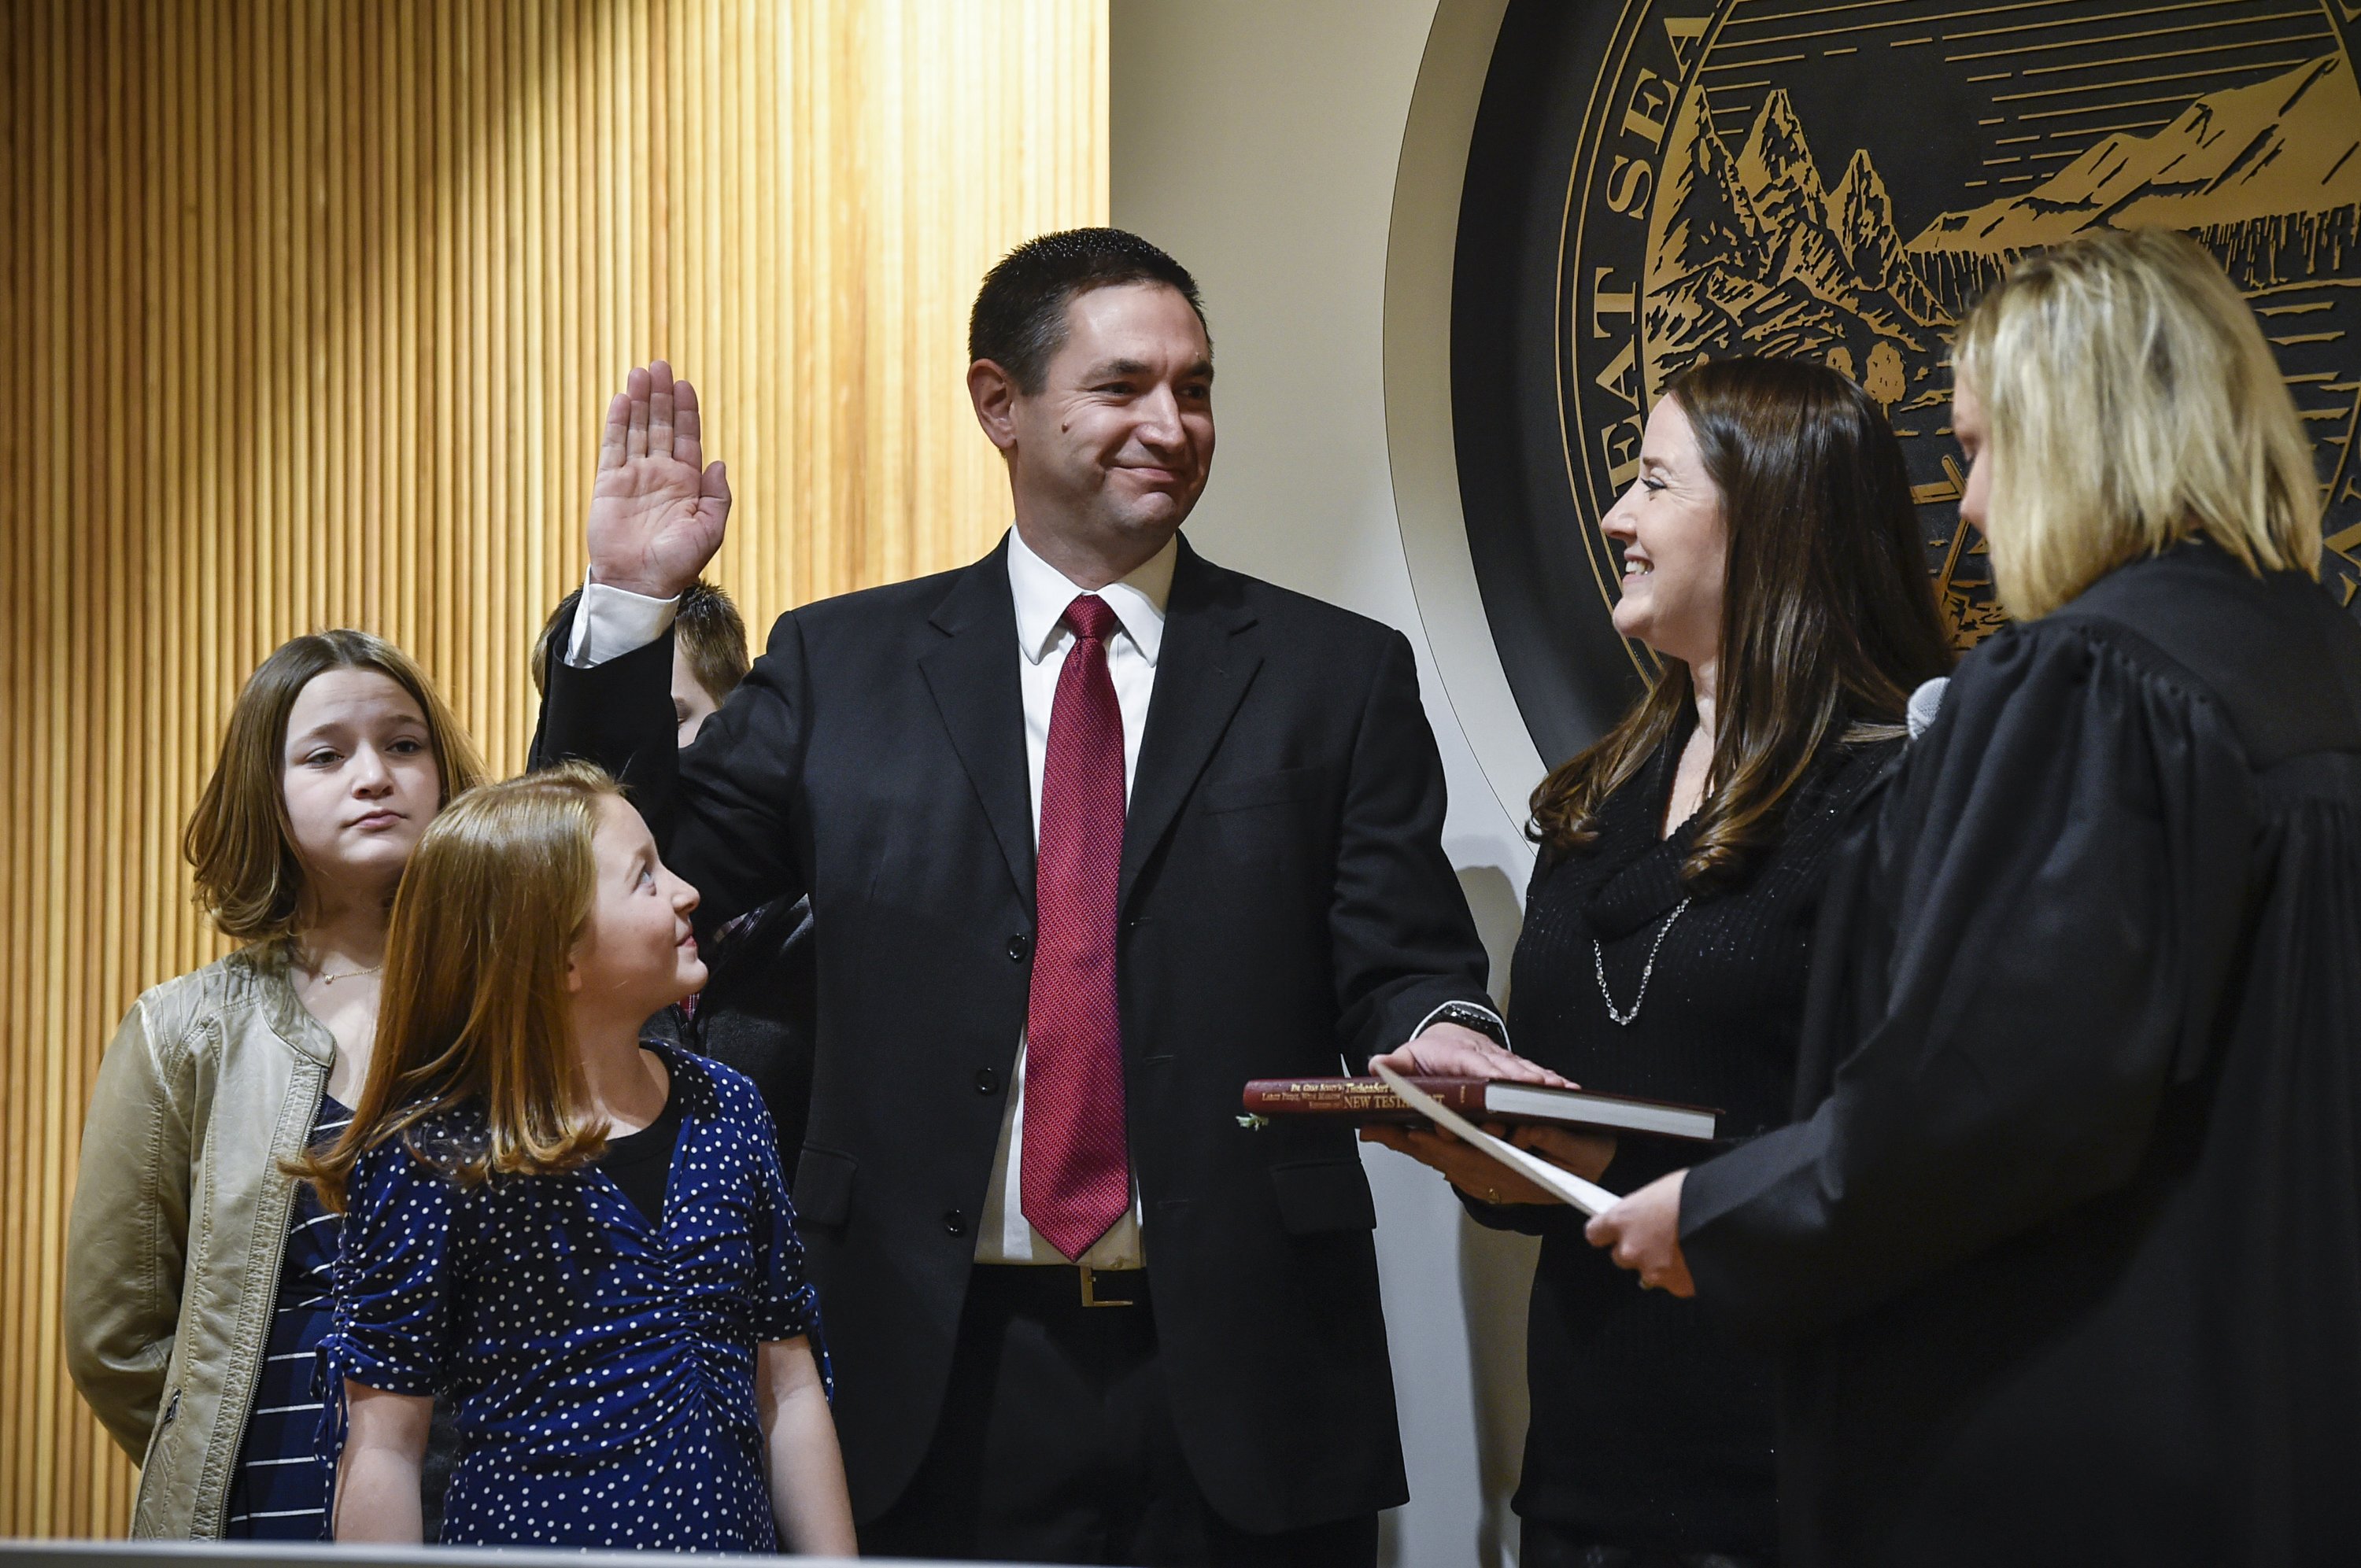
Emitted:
<point x="610" y="622"/>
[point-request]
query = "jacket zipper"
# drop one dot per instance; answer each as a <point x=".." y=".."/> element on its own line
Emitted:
<point x="147" y="1460"/>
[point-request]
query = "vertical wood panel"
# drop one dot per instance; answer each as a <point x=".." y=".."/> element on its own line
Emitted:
<point x="313" y="312"/>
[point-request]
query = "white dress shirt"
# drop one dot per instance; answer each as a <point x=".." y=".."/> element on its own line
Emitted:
<point x="612" y="621"/>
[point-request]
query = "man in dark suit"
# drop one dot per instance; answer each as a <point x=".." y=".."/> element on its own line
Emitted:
<point x="1094" y="832"/>
<point x="756" y="1012"/>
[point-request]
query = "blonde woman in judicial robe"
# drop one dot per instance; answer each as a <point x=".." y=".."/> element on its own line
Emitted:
<point x="2066" y="1255"/>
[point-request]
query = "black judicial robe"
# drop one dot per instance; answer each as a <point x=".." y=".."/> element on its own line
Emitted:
<point x="2065" y="1252"/>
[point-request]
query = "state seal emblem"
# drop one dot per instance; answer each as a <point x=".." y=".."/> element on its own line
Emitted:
<point x="1838" y="179"/>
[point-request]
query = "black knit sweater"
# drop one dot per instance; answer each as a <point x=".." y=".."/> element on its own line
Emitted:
<point x="1650" y="1429"/>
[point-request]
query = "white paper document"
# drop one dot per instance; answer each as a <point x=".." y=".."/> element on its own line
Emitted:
<point x="1556" y="1180"/>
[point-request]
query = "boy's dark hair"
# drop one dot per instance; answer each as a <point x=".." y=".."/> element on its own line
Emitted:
<point x="1019" y="320"/>
<point x="542" y="652"/>
<point x="707" y="624"/>
<point x="713" y="637"/>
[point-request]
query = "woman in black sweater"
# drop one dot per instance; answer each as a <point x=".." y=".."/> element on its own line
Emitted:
<point x="1771" y="560"/>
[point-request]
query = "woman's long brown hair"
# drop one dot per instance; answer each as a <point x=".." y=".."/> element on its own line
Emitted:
<point x="492" y="903"/>
<point x="1828" y="618"/>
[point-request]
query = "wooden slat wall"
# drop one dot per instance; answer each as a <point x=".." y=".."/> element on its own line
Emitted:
<point x="312" y="309"/>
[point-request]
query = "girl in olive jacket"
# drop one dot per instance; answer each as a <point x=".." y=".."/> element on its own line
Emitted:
<point x="195" y="1272"/>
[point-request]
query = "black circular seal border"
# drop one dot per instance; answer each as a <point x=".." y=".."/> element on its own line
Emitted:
<point x="1530" y="543"/>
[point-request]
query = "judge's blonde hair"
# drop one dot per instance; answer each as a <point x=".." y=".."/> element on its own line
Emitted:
<point x="2132" y="404"/>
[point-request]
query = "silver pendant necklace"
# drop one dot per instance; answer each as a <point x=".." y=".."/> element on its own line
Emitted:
<point x="1599" y="963"/>
<point x="320" y="975"/>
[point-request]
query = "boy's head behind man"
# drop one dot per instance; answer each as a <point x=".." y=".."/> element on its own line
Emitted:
<point x="709" y="653"/>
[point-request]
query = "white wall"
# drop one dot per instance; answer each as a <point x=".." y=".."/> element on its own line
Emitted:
<point x="1261" y="144"/>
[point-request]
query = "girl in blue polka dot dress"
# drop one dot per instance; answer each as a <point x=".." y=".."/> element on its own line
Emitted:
<point x="583" y="1241"/>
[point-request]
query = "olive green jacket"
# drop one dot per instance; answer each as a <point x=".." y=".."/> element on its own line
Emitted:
<point x="179" y="1223"/>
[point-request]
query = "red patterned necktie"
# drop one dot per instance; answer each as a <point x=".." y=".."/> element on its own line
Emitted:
<point x="1077" y="1168"/>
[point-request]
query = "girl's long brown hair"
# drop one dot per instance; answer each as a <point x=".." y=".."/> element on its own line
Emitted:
<point x="238" y="838"/>
<point x="1828" y="618"/>
<point x="492" y="903"/>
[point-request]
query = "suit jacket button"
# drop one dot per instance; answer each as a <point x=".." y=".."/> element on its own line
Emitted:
<point x="986" y="1082"/>
<point x="1018" y="946"/>
<point x="955" y="1222"/>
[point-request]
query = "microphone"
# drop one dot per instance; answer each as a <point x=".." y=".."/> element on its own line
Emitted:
<point x="1924" y="704"/>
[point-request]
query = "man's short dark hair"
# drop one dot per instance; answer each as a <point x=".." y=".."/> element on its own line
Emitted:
<point x="1019" y="320"/>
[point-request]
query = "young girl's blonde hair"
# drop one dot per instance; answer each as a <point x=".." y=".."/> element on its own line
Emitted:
<point x="475" y="1005"/>
<point x="2132" y="404"/>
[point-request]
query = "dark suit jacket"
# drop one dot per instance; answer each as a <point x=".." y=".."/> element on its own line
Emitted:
<point x="1286" y="908"/>
<point x="756" y="1010"/>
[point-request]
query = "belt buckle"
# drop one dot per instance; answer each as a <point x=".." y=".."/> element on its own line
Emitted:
<point x="1090" y="1297"/>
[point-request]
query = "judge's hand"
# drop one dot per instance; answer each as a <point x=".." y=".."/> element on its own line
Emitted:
<point x="657" y="510"/>
<point x="1455" y="1050"/>
<point x="1480" y="1175"/>
<point x="1645" y="1232"/>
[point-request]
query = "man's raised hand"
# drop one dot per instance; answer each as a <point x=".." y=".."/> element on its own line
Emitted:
<point x="657" y="509"/>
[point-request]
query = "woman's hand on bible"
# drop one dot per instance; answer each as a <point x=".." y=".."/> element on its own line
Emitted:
<point x="657" y="509"/>
<point x="1645" y="1232"/>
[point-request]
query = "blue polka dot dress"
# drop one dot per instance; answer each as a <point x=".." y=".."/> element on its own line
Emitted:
<point x="602" y="1368"/>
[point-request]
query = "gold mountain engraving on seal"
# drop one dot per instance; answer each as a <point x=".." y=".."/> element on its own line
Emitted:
<point x="1750" y="249"/>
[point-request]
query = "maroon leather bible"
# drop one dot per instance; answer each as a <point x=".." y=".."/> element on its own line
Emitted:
<point x="1480" y="1099"/>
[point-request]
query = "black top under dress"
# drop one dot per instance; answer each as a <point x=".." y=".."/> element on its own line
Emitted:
<point x="1650" y="1427"/>
<point x="641" y="1163"/>
<point x="2066" y="1252"/>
